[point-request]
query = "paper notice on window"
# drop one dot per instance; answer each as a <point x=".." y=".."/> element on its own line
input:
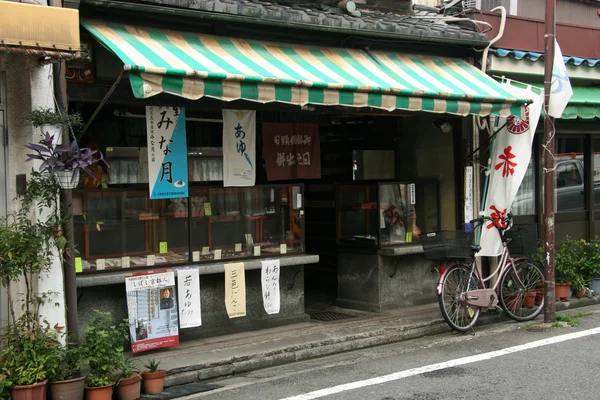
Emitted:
<point x="238" y="247"/>
<point x="235" y="290"/>
<point x="125" y="262"/>
<point x="100" y="264"/>
<point x="270" y="285"/>
<point x="188" y="289"/>
<point x="256" y="251"/>
<point x="283" y="248"/>
<point x="195" y="256"/>
<point x="218" y="254"/>
<point x="205" y="251"/>
<point x="150" y="259"/>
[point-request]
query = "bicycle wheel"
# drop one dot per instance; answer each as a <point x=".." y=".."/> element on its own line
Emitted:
<point x="457" y="313"/>
<point x="519" y="294"/>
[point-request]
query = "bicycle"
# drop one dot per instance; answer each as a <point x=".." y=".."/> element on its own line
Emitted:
<point x="461" y="289"/>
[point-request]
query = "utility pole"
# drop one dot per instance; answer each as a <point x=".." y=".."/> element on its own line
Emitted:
<point x="549" y="195"/>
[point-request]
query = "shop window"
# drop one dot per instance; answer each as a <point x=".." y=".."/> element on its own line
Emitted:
<point x="524" y="203"/>
<point x="569" y="175"/>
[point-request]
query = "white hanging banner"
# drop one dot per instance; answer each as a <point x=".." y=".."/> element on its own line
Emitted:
<point x="269" y="277"/>
<point x="510" y="158"/>
<point x="235" y="290"/>
<point x="468" y="194"/>
<point x="239" y="148"/>
<point x="561" y="86"/>
<point x="188" y="289"/>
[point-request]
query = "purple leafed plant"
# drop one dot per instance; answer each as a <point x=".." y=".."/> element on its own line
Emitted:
<point x="64" y="157"/>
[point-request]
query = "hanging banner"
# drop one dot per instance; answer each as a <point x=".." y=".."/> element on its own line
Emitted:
<point x="239" y="148"/>
<point x="167" y="152"/>
<point x="152" y="309"/>
<point x="291" y="151"/>
<point x="269" y="277"/>
<point x="561" y="85"/>
<point x="235" y="290"/>
<point x="188" y="289"/>
<point x="469" y="211"/>
<point x="510" y="156"/>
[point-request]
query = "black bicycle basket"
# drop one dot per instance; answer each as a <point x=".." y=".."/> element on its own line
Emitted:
<point x="447" y="245"/>
<point x="524" y="239"/>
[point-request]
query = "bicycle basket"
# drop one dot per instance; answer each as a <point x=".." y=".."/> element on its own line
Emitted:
<point x="447" y="245"/>
<point x="524" y="239"/>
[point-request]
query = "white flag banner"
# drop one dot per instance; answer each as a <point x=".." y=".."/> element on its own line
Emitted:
<point x="239" y="148"/>
<point x="188" y="286"/>
<point x="561" y="86"/>
<point x="270" y="285"/>
<point x="510" y="158"/>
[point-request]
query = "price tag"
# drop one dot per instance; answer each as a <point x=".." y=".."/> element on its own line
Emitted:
<point x="218" y="253"/>
<point x="299" y="200"/>
<point x="408" y="237"/>
<point x="256" y="251"/>
<point x="100" y="264"/>
<point x="150" y="260"/>
<point x="78" y="264"/>
<point x="207" y="209"/>
<point x="205" y="251"/>
<point x="195" y="256"/>
<point x="163" y="247"/>
<point x="238" y="247"/>
<point x="283" y="248"/>
<point x="125" y="262"/>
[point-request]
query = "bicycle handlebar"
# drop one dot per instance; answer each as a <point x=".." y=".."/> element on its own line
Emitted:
<point x="505" y="224"/>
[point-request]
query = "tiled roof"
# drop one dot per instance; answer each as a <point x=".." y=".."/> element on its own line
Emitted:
<point x="533" y="57"/>
<point x="424" y="22"/>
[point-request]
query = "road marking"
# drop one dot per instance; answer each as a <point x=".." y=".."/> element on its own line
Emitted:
<point x="447" y="364"/>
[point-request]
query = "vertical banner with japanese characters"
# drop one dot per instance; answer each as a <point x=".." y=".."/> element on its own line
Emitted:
<point x="239" y="148"/>
<point x="270" y="285"/>
<point x="167" y="152"/>
<point x="291" y="151"/>
<point x="188" y="288"/>
<point x="152" y="309"/>
<point x="235" y="290"/>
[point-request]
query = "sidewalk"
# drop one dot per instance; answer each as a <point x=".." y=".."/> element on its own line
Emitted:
<point x="214" y="357"/>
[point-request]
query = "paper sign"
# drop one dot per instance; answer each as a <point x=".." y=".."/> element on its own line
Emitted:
<point x="100" y="264"/>
<point x="413" y="194"/>
<point x="205" y="251"/>
<point x="272" y="195"/>
<point x="150" y="260"/>
<point x="195" y="256"/>
<point x="235" y="290"/>
<point x="381" y="219"/>
<point x="256" y="251"/>
<point x="298" y="200"/>
<point x="238" y="247"/>
<point x="207" y="209"/>
<point x="188" y="286"/>
<point x="163" y="247"/>
<point x="125" y="263"/>
<point x="283" y="248"/>
<point x="218" y="253"/>
<point x="270" y="285"/>
<point x="78" y="264"/>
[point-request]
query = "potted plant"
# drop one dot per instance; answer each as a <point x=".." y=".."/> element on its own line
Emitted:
<point x="102" y="348"/>
<point x="66" y="381"/>
<point x="592" y="270"/>
<point x="129" y="382"/>
<point x="566" y="269"/>
<point x="64" y="160"/>
<point x="153" y="378"/>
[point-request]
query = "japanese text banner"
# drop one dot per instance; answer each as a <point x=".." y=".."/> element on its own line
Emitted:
<point x="239" y="148"/>
<point x="190" y="311"/>
<point x="235" y="290"/>
<point x="270" y="285"/>
<point x="291" y="151"/>
<point x="167" y="152"/>
<point x="510" y="157"/>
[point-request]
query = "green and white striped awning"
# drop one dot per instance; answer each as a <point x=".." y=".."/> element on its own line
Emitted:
<point x="192" y="65"/>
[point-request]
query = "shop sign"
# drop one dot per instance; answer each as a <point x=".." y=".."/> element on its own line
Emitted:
<point x="167" y="152"/>
<point x="239" y="148"/>
<point x="270" y="285"/>
<point x="188" y="285"/>
<point x="235" y="290"/>
<point x="152" y="308"/>
<point x="291" y="151"/>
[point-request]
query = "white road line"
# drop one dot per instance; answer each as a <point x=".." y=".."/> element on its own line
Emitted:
<point x="447" y="364"/>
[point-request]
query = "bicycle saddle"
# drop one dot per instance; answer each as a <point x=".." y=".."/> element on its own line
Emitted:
<point x="475" y="248"/>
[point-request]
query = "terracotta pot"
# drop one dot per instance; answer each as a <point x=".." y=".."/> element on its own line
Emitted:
<point x="37" y="391"/>
<point x="512" y="302"/>
<point x="530" y="299"/>
<point x="129" y="388"/>
<point x="561" y="291"/>
<point x="154" y="382"/>
<point x="580" y="293"/>
<point x="99" y="393"/>
<point x="71" y="389"/>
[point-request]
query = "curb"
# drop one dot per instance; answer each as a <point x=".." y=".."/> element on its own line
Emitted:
<point x="376" y="337"/>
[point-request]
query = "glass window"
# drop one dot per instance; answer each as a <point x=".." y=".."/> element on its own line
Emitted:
<point x="524" y="203"/>
<point x="569" y="174"/>
<point x="397" y="218"/>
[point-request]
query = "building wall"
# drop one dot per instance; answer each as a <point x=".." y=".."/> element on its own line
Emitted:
<point x="569" y="11"/>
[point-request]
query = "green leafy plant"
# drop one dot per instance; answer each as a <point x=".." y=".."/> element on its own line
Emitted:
<point x="127" y="369"/>
<point x="5" y="385"/>
<point x="65" y="364"/>
<point x="102" y="348"/>
<point x="48" y="116"/>
<point x="152" y="366"/>
<point x="568" y="259"/>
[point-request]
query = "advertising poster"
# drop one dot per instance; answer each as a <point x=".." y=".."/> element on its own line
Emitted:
<point x="167" y="152"/>
<point x="152" y="308"/>
<point x="239" y="148"/>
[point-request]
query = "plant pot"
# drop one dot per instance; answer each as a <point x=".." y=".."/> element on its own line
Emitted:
<point x="71" y="389"/>
<point x="530" y="299"/>
<point x="37" y="391"/>
<point x="580" y="293"/>
<point x="539" y="296"/>
<point x="512" y="302"/>
<point x="561" y="291"/>
<point x="99" y="392"/>
<point x="154" y="382"/>
<point x="129" y="388"/>
<point x="67" y="179"/>
<point x="596" y="285"/>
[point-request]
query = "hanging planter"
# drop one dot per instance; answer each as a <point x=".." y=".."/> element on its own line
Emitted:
<point x="68" y="178"/>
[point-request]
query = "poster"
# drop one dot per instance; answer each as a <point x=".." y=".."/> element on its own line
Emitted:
<point x="239" y="148"/>
<point x="270" y="285"/>
<point x="235" y="290"/>
<point x="291" y="151"/>
<point x="188" y="289"/>
<point x="167" y="152"/>
<point x="152" y="308"/>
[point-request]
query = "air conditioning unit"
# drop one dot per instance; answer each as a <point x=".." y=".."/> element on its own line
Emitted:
<point x="469" y="4"/>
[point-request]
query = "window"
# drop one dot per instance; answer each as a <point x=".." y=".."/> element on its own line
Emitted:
<point x="569" y="174"/>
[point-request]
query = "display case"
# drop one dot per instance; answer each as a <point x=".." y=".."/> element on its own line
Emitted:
<point x="123" y="228"/>
<point x="386" y="213"/>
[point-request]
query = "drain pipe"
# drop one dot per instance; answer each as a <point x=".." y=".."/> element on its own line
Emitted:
<point x="498" y="37"/>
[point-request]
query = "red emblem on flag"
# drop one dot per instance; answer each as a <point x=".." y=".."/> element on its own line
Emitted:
<point x="508" y="167"/>
<point x="498" y="217"/>
<point x="517" y="125"/>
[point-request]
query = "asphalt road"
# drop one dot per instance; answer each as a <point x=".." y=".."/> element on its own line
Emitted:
<point x="502" y="361"/>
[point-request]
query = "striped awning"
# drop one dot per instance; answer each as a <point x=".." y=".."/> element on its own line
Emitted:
<point x="192" y="65"/>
